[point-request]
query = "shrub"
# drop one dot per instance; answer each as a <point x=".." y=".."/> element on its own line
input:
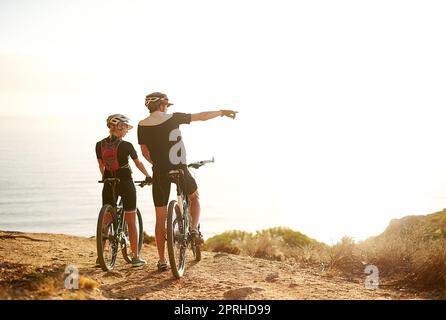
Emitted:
<point x="227" y="242"/>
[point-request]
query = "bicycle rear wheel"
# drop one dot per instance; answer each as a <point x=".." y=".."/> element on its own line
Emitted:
<point x="126" y="248"/>
<point x="106" y="241"/>
<point x="176" y="240"/>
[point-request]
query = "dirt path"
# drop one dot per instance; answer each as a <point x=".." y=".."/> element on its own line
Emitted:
<point x="32" y="266"/>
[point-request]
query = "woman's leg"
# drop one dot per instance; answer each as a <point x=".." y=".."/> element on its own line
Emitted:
<point x="128" y="194"/>
<point x="107" y="198"/>
<point x="130" y="218"/>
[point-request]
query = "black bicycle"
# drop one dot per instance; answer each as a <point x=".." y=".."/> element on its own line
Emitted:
<point x="179" y="225"/>
<point x="112" y="229"/>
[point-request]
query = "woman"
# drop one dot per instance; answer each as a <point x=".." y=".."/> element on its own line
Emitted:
<point x="113" y="154"/>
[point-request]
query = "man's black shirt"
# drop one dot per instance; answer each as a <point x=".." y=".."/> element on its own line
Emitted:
<point x="157" y="139"/>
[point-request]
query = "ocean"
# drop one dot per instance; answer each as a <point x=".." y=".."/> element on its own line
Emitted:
<point x="49" y="180"/>
<point x="49" y="175"/>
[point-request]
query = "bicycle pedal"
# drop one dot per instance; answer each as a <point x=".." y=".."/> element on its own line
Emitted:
<point x="197" y="239"/>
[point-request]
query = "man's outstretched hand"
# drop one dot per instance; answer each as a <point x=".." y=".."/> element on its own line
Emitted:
<point x="228" y="113"/>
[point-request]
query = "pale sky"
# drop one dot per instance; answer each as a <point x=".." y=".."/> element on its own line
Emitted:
<point x="341" y="103"/>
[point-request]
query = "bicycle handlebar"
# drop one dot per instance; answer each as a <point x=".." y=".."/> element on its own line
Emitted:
<point x="109" y="180"/>
<point x="142" y="183"/>
<point x="198" y="164"/>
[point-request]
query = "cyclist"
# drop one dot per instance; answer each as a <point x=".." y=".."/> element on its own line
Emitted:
<point x="161" y="144"/>
<point x="112" y="154"/>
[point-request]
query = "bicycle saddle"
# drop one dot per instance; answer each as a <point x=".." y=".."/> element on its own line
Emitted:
<point x="175" y="173"/>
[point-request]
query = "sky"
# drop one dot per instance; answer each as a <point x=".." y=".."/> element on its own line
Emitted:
<point x="341" y="103"/>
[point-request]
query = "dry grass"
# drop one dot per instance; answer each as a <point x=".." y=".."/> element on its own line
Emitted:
<point x="411" y="261"/>
<point x="46" y="284"/>
<point x="273" y="244"/>
<point x="412" y="250"/>
<point x="149" y="239"/>
<point x="410" y="253"/>
<point x="429" y="266"/>
<point x="265" y="247"/>
<point x="87" y="283"/>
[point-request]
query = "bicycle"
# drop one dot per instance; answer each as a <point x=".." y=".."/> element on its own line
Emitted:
<point x="179" y="225"/>
<point x="114" y="233"/>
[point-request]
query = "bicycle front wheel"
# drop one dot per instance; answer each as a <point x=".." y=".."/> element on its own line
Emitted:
<point x="176" y="239"/>
<point x="106" y="240"/>
<point x="126" y="248"/>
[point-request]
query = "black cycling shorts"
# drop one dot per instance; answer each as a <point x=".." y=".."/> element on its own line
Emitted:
<point x="126" y="189"/>
<point x="161" y="186"/>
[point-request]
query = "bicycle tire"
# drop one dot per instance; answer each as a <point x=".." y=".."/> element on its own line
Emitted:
<point x="106" y="261"/>
<point x="175" y="240"/>
<point x="125" y="247"/>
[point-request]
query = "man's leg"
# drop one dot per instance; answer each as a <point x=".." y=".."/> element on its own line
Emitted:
<point x="195" y="209"/>
<point x="160" y="231"/>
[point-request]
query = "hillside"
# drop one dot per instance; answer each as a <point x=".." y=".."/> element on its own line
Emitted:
<point x="412" y="250"/>
<point x="424" y="227"/>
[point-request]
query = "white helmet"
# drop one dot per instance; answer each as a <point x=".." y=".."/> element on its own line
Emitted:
<point x="115" y="119"/>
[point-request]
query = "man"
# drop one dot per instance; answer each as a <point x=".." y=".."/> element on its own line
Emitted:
<point x="161" y="144"/>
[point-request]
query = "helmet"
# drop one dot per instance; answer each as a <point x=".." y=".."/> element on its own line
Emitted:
<point x="115" y="119"/>
<point x="153" y="100"/>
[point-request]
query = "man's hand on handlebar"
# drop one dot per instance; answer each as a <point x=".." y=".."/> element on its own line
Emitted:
<point x="195" y="165"/>
<point x="148" y="180"/>
<point x="229" y="113"/>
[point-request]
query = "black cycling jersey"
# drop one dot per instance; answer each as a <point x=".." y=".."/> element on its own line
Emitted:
<point x="125" y="150"/>
<point x="157" y="139"/>
<point x="160" y="139"/>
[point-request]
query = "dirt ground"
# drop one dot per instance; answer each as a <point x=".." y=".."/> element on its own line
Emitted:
<point x="33" y="266"/>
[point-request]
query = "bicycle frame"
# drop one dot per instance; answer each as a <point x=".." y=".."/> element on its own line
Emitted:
<point x="183" y="205"/>
<point x="117" y="215"/>
<point x="117" y="208"/>
<point x="184" y="199"/>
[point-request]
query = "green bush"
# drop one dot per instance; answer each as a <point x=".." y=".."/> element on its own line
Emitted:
<point x="289" y="237"/>
<point x="273" y="244"/>
<point x="227" y="241"/>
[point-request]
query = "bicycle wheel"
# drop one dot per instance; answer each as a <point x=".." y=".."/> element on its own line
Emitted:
<point x="106" y="241"/>
<point x="196" y="249"/>
<point x="125" y="246"/>
<point x="176" y="242"/>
